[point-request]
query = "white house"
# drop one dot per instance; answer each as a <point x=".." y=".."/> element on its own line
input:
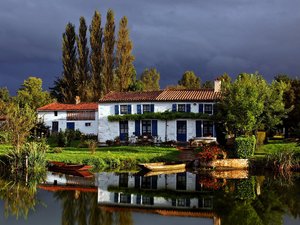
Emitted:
<point x="81" y="116"/>
<point x="183" y="129"/>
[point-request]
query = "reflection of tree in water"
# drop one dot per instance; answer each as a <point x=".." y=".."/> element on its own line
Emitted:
<point x="269" y="207"/>
<point x="82" y="208"/>
<point x="124" y="218"/>
<point x="19" y="197"/>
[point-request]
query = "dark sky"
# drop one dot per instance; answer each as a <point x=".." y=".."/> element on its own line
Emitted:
<point x="209" y="37"/>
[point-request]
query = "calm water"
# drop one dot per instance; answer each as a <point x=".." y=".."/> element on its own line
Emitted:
<point x="134" y="199"/>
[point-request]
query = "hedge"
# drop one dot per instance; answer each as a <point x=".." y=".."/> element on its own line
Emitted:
<point x="244" y="147"/>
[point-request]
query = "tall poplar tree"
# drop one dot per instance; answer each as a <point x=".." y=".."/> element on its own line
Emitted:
<point x="96" y="56"/>
<point x="69" y="80"/>
<point x="108" y="52"/>
<point x="82" y="62"/>
<point x="124" y="57"/>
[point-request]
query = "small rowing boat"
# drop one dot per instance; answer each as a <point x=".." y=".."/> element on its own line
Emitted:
<point x="161" y="166"/>
<point x="60" y="166"/>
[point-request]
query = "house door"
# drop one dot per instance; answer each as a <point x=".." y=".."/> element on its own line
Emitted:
<point x="54" y="127"/>
<point x="123" y="130"/>
<point x="70" y="125"/>
<point x="181" y="131"/>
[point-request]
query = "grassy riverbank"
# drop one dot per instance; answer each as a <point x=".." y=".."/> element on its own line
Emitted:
<point x="110" y="157"/>
<point x="274" y="146"/>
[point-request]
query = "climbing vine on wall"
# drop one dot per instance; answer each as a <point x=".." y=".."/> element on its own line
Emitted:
<point x="161" y="116"/>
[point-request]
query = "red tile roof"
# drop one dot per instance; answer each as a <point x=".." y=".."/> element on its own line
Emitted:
<point x="189" y="95"/>
<point x="69" y="107"/>
<point x="130" y="96"/>
<point x="164" y="95"/>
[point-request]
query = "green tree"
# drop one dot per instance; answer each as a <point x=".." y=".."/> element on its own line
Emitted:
<point x="82" y="63"/>
<point x="208" y="84"/>
<point x="31" y="93"/>
<point x="124" y="57"/>
<point x="250" y="103"/>
<point x="292" y="101"/>
<point x="189" y="80"/>
<point x="69" y="80"/>
<point x="150" y="80"/>
<point x="225" y="78"/>
<point x="4" y="94"/>
<point x="274" y="106"/>
<point x="96" y="56"/>
<point x="108" y="51"/>
<point x="56" y="91"/>
<point x="19" y="122"/>
<point x="136" y="86"/>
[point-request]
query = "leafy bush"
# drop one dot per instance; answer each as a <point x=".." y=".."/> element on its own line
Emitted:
<point x="64" y="138"/>
<point x="244" y="147"/>
<point x="32" y="152"/>
<point x="92" y="145"/>
<point x="210" y="152"/>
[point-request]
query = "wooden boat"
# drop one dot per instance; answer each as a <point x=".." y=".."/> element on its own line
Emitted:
<point x="161" y="166"/>
<point x="156" y="173"/>
<point x="60" y="166"/>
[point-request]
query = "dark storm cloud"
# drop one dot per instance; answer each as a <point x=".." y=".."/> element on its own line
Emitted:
<point x="209" y="37"/>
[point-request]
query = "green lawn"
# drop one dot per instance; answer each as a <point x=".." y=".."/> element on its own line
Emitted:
<point x="278" y="145"/>
<point x="111" y="157"/>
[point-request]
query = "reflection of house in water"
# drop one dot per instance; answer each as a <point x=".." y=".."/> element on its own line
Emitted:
<point x="168" y="194"/>
<point x="181" y="190"/>
<point x="59" y="182"/>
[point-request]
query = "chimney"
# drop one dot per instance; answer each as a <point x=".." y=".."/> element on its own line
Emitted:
<point x="217" y="85"/>
<point x="77" y="100"/>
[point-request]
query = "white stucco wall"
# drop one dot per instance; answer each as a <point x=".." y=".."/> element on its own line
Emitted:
<point x="110" y="130"/>
<point x="48" y="117"/>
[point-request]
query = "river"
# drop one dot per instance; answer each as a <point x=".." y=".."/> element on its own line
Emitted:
<point x="111" y="198"/>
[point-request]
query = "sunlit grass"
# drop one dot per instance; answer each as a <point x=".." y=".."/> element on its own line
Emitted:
<point x="110" y="157"/>
<point x="278" y="145"/>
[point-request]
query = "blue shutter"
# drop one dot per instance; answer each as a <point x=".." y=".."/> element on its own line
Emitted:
<point x="139" y="109"/>
<point x="129" y="109"/>
<point x="198" y="128"/>
<point x="137" y="128"/>
<point x="116" y="197"/>
<point x="174" y="106"/>
<point x="152" y="107"/>
<point x="154" y="127"/>
<point x="116" y="109"/>
<point x="215" y="109"/>
<point x="200" y="108"/>
<point x="188" y="107"/>
<point x="187" y="202"/>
